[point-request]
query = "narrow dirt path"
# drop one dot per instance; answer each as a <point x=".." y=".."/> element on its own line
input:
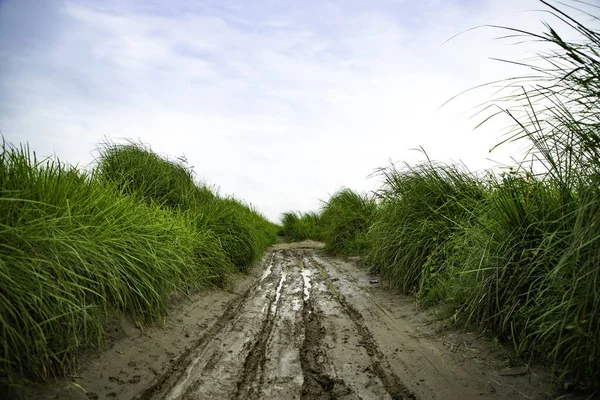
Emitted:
<point x="306" y="327"/>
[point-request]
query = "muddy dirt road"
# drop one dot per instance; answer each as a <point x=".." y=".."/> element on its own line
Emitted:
<point x="307" y="326"/>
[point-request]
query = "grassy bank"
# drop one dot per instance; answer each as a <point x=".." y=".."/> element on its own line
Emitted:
<point x="517" y="251"/>
<point x="342" y="223"/>
<point x="422" y="211"/>
<point x="296" y="226"/>
<point x="81" y="248"/>
<point x="346" y="217"/>
<point x="242" y="232"/>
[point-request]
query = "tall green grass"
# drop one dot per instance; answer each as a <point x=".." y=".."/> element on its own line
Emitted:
<point x="531" y="269"/>
<point x="346" y="218"/>
<point x="423" y="210"/>
<point x="296" y="226"/>
<point x="79" y="248"/>
<point x="243" y="233"/>
<point x="342" y="223"/>
<point x="538" y="281"/>
<point x="134" y="168"/>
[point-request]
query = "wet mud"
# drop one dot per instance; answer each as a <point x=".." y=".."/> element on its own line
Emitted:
<point x="307" y="326"/>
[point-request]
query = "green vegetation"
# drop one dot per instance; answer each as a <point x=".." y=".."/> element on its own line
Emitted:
<point x="537" y="281"/>
<point x="242" y="232"/>
<point x="135" y="169"/>
<point x="421" y="216"/>
<point x="342" y="223"/>
<point x="516" y="252"/>
<point x="298" y="226"/>
<point x="346" y="218"/>
<point x="81" y="248"/>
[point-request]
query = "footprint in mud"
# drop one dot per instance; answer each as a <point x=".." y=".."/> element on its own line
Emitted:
<point x="116" y="379"/>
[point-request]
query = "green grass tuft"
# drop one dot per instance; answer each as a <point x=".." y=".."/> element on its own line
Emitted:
<point x="346" y="218"/>
<point x="242" y="233"/>
<point x="422" y="210"/>
<point x="297" y="226"/>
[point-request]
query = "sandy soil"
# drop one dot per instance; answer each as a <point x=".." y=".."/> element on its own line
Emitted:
<point x="305" y="326"/>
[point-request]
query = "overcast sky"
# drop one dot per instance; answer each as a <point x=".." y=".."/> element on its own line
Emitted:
<point x="279" y="103"/>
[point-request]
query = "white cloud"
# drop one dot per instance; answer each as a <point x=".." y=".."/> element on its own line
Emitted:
<point x="278" y="105"/>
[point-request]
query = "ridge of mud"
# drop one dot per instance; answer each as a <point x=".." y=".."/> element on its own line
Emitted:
<point x="391" y="382"/>
<point x="163" y="383"/>
<point x="248" y="387"/>
<point x="317" y="383"/>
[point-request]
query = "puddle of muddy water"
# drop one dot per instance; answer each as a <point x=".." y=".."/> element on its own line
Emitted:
<point x="306" y="274"/>
<point x="267" y="271"/>
<point x="278" y="292"/>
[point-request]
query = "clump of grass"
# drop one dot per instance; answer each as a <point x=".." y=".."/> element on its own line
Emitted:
<point x="298" y="226"/>
<point x="422" y="211"/>
<point x="73" y="252"/>
<point x="538" y="277"/>
<point x="345" y="219"/>
<point x="517" y="269"/>
<point x="242" y="232"/>
<point x="528" y="269"/>
<point x="135" y="169"/>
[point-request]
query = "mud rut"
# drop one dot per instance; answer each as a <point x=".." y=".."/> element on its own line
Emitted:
<point x="292" y="334"/>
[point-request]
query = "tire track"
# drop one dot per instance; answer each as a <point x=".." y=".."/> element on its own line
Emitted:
<point x="168" y="379"/>
<point x="318" y="384"/>
<point x="306" y="327"/>
<point x="211" y="368"/>
<point x="252" y="376"/>
<point x="379" y="364"/>
<point x="164" y="385"/>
